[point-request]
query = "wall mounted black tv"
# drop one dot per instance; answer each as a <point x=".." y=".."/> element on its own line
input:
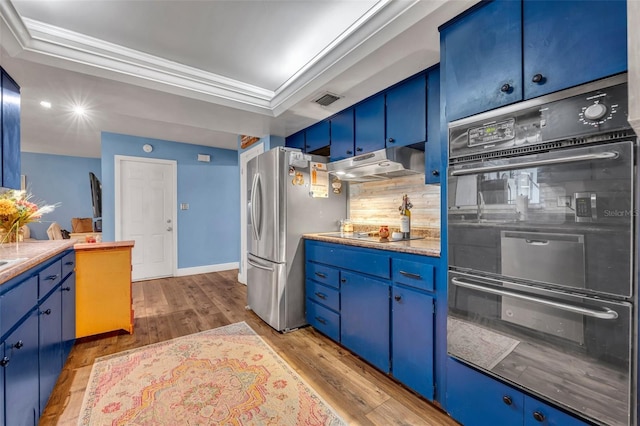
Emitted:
<point x="96" y="195"/>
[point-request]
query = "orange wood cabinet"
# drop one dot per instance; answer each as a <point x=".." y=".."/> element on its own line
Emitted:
<point x="103" y="288"/>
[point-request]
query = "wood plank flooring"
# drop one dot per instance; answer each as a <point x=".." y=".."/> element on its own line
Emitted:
<point x="174" y="307"/>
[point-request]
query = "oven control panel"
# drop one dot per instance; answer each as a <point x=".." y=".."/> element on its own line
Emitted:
<point x="536" y="122"/>
<point x="492" y="132"/>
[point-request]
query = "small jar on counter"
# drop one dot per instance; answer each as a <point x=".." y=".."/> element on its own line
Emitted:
<point x="383" y="232"/>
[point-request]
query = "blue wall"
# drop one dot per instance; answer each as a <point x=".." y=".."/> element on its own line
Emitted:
<point x="209" y="231"/>
<point x="59" y="179"/>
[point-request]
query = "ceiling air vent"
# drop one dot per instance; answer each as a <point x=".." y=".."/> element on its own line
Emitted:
<point x="327" y="99"/>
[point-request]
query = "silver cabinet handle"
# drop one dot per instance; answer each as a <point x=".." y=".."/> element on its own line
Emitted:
<point x="605" y="313"/>
<point x="410" y="275"/>
<point x="536" y="163"/>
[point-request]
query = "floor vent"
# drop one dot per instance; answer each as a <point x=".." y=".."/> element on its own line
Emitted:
<point x="327" y="99"/>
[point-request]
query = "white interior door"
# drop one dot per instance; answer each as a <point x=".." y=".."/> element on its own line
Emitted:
<point x="244" y="159"/>
<point x="145" y="213"/>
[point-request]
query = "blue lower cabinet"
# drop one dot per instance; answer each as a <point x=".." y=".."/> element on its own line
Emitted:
<point x="323" y="319"/>
<point x="68" y="291"/>
<point x="20" y="365"/>
<point x="50" y="338"/>
<point x="365" y="318"/>
<point x="475" y="399"/>
<point x="412" y="339"/>
<point x="537" y="413"/>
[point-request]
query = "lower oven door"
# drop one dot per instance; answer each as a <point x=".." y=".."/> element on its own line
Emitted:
<point x="586" y="369"/>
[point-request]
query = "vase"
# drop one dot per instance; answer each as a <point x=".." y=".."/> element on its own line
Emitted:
<point x="12" y="236"/>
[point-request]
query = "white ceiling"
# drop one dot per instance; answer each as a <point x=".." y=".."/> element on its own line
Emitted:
<point x="204" y="72"/>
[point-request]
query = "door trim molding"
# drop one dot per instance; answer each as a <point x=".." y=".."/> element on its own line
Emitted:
<point x="118" y="159"/>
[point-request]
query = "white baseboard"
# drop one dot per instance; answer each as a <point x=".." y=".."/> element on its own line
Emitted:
<point x="182" y="272"/>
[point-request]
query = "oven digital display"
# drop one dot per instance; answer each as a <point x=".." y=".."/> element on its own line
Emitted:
<point x="491" y="133"/>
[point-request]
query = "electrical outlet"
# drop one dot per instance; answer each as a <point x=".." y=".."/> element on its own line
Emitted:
<point x="564" y="200"/>
<point x="184" y="206"/>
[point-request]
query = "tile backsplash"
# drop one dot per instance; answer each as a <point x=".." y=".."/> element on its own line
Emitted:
<point x="372" y="204"/>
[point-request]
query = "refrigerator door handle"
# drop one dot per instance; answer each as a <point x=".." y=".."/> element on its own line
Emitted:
<point x="252" y="262"/>
<point x="254" y="195"/>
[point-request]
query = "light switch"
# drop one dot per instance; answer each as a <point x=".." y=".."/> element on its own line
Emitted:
<point x="184" y="206"/>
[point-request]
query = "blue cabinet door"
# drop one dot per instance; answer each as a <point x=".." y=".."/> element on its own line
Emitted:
<point x="369" y="125"/>
<point x="21" y="373"/>
<point x="10" y="132"/>
<point x="567" y="43"/>
<point x="68" y="290"/>
<point x="342" y="135"/>
<point x="364" y="318"/>
<point x="412" y="339"/>
<point x="296" y="140"/>
<point x="433" y="147"/>
<point x="50" y="337"/>
<point x="537" y="413"/>
<point x="478" y="400"/>
<point x="317" y="136"/>
<point x="482" y="59"/>
<point x="407" y="112"/>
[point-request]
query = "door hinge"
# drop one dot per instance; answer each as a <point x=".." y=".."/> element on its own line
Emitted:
<point x="433" y="306"/>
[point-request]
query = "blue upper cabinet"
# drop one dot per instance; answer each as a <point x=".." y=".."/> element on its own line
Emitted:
<point x="567" y="43"/>
<point x="433" y="147"/>
<point x="481" y="59"/>
<point x="318" y="136"/>
<point x="505" y="51"/>
<point x="296" y="140"/>
<point x="342" y="135"/>
<point x="369" y="125"/>
<point x="406" y="112"/>
<point x="10" y="132"/>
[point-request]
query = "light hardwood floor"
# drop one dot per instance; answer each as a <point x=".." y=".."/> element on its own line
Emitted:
<point x="174" y="307"/>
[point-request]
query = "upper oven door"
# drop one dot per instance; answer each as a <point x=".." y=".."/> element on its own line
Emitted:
<point x="567" y="208"/>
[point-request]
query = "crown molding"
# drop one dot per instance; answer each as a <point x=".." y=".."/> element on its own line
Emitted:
<point x="40" y="42"/>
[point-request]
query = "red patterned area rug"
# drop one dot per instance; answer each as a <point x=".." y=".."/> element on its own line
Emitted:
<point x="224" y="376"/>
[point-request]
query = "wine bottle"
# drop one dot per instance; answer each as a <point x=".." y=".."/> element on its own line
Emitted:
<point x="405" y="218"/>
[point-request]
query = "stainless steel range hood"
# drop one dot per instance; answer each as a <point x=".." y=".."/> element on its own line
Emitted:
<point x="379" y="165"/>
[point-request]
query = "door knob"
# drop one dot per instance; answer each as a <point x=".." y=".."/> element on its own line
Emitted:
<point x="169" y="228"/>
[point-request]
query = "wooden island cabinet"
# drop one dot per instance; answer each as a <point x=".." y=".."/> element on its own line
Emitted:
<point x="103" y="287"/>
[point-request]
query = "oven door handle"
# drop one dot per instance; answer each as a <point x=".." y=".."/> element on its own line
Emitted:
<point x="605" y="313"/>
<point x="611" y="155"/>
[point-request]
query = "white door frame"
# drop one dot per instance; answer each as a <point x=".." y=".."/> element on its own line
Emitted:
<point x="244" y="159"/>
<point x="118" y="159"/>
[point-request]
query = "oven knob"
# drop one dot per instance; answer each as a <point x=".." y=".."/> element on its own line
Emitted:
<point x="595" y="111"/>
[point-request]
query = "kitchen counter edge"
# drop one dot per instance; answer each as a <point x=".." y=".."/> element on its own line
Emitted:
<point x="424" y="247"/>
<point x="103" y="245"/>
<point x="35" y="253"/>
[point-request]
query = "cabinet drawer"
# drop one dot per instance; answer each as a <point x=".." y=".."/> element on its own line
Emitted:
<point x="49" y="278"/>
<point x="323" y="319"/>
<point x="18" y="301"/>
<point x="327" y="296"/>
<point x="353" y="259"/>
<point x="414" y="274"/>
<point x="322" y="274"/>
<point x="68" y="263"/>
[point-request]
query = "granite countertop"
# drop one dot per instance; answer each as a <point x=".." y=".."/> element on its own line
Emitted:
<point x="103" y="245"/>
<point x="425" y="246"/>
<point x="28" y="254"/>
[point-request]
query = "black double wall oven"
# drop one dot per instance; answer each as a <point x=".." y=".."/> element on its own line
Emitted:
<point x="542" y="207"/>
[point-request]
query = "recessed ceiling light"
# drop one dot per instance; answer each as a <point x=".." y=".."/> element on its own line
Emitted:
<point x="45" y="104"/>
<point x="79" y="110"/>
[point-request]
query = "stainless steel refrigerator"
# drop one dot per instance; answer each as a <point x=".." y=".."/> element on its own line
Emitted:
<point x="284" y="203"/>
